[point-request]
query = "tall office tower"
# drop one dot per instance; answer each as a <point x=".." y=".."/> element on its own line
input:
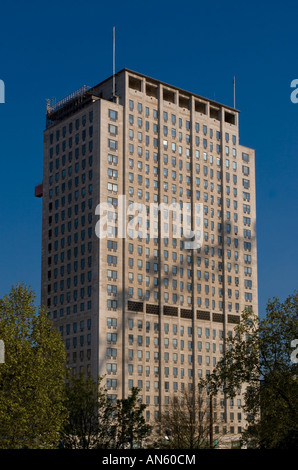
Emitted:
<point x="141" y="307"/>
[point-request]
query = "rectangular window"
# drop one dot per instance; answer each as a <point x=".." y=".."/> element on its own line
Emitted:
<point x="112" y="187"/>
<point x="113" y="145"/>
<point x="113" y="130"/>
<point x="113" y="115"/>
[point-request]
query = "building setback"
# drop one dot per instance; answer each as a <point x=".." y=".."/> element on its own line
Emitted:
<point x="147" y="311"/>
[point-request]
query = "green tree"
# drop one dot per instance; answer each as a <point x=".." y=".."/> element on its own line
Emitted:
<point x="188" y="421"/>
<point x="258" y="357"/>
<point x="90" y="413"/>
<point x="129" y="428"/>
<point x="32" y="377"/>
<point x="96" y="421"/>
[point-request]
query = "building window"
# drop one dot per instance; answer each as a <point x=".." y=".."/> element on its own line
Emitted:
<point x="113" y="115"/>
<point x="113" y="130"/>
<point x="113" y="145"/>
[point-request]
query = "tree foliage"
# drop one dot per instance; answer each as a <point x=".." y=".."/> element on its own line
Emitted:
<point x="258" y="356"/>
<point x="188" y="422"/>
<point x="128" y="427"/>
<point x="89" y="414"/>
<point x="32" y="377"/>
<point x="184" y="424"/>
<point x="96" y="421"/>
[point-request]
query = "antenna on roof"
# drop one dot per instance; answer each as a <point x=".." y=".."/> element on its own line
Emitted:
<point x="234" y="91"/>
<point x="114" y="90"/>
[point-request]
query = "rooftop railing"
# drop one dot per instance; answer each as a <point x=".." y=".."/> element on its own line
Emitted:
<point x="53" y="106"/>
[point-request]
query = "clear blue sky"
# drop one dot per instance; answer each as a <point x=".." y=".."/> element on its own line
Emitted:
<point x="51" y="49"/>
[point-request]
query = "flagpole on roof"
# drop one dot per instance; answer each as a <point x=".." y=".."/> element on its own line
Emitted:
<point x="114" y="91"/>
